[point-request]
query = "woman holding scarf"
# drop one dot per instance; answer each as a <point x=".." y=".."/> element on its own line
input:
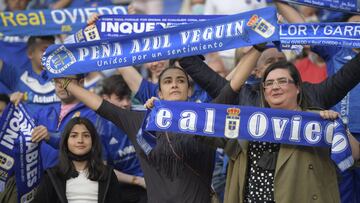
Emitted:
<point x="270" y="172"/>
<point x="80" y="175"/>
<point x="179" y="168"/>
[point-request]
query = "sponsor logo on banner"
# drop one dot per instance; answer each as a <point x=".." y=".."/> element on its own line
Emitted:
<point x="60" y="60"/>
<point x="91" y="33"/>
<point x="232" y="123"/>
<point x="79" y="36"/>
<point x="261" y="26"/>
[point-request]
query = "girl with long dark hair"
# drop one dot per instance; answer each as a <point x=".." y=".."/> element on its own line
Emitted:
<point x="81" y="175"/>
<point x="179" y="168"/>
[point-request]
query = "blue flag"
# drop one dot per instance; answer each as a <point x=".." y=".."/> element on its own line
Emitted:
<point x="223" y="33"/>
<point x="253" y="124"/>
<point x="50" y="22"/>
<point x="22" y="157"/>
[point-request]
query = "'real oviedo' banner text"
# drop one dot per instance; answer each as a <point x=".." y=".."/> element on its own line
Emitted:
<point x="50" y="22"/>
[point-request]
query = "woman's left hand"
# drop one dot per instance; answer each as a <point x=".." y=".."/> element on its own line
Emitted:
<point x="329" y="114"/>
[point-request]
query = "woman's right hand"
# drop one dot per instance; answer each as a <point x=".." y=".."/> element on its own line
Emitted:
<point x="329" y="114"/>
<point x="150" y="102"/>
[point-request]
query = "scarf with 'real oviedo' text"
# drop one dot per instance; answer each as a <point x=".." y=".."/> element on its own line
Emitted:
<point x="247" y="123"/>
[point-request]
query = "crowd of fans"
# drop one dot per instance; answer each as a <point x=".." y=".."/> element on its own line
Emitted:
<point x="87" y="124"/>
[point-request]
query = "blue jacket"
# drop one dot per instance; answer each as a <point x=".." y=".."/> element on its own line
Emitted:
<point x="4" y="89"/>
<point x="39" y="93"/>
<point x="119" y="151"/>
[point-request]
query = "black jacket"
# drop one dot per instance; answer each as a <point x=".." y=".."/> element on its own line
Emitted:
<point x="52" y="189"/>
<point x="323" y="95"/>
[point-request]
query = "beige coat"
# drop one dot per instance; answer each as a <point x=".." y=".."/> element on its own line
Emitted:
<point x="302" y="174"/>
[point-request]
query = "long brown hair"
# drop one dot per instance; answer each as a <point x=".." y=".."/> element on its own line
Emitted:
<point x="95" y="165"/>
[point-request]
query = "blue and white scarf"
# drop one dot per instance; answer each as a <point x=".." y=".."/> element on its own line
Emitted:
<point x="18" y="154"/>
<point x="223" y="33"/>
<point x="248" y="123"/>
<point x="105" y="46"/>
<point x="328" y="34"/>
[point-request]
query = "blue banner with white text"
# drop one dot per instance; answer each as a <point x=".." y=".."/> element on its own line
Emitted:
<point x="111" y="26"/>
<point x="15" y="135"/>
<point x="325" y="34"/>
<point x="222" y="33"/>
<point x="253" y="124"/>
<point x="50" y="22"/>
<point x="6" y="150"/>
<point x="351" y="6"/>
<point x="117" y="26"/>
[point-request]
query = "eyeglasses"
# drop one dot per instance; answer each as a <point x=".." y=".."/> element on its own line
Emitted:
<point x="279" y="82"/>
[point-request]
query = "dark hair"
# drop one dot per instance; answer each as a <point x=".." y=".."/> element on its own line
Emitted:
<point x="171" y="68"/>
<point x="5" y="98"/>
<point x="295" y="76"/>
<point x="95" y="165"/>
<point x="33" y="40"/>
<point x="172" y="62"/>
<point x="117" y="85"/>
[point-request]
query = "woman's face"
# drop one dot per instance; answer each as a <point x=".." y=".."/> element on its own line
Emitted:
<point x="79" y="141"/>
<point x="280" y="91"/>
<point x="174" y="86"/>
